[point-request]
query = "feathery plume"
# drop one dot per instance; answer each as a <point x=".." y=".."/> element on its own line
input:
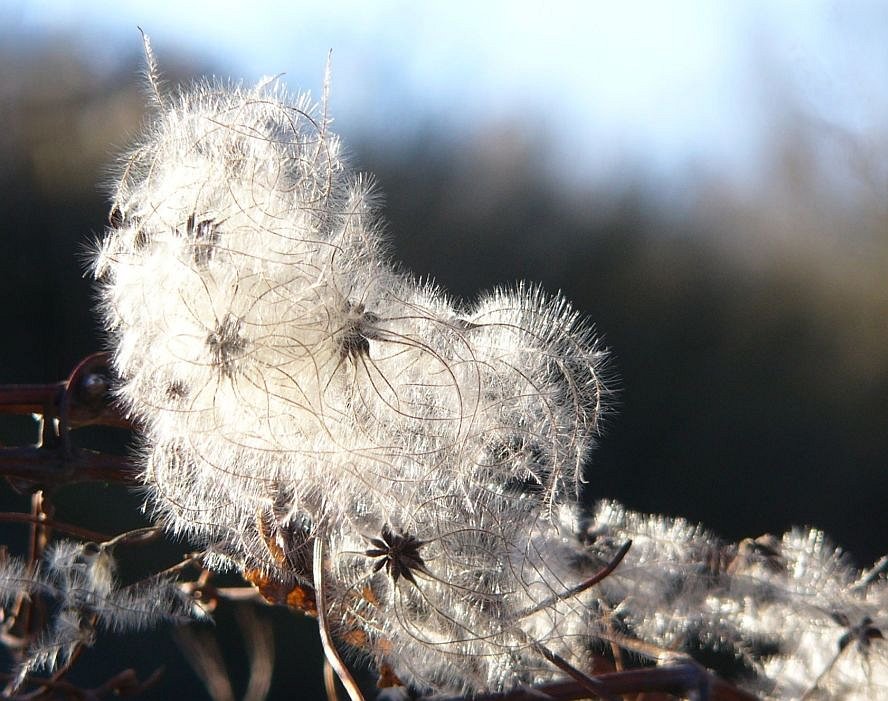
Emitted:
<point x="300" y="395"/>
<point x="78" y="584"/>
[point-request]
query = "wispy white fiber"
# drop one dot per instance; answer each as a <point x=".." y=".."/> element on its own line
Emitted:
<point x="294" y="384"/>
<point x="78" y="585"/>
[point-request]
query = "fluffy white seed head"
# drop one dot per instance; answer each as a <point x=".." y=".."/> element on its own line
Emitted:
<point x="294" y="385"/>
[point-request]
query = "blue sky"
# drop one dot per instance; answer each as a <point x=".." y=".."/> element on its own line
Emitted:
<point x="663" y="87"/>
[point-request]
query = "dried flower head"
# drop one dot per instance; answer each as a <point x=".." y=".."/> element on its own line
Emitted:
<point x="295" y="386"/>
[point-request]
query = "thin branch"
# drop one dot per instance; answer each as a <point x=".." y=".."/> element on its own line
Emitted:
<point x="51" y="467"/>
<point x="125" y="683"/>
<point x="77" y="531"/>
<point x="676" y="679"/>
<point x="326" y="639"/>
<point x="587" y="683"/>
<point x="603" y="573"/>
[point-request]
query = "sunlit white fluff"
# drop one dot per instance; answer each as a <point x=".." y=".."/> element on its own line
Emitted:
<point x="294" y="385"/>
<point x="264" y="340"/>
<point x="77" y="584"/>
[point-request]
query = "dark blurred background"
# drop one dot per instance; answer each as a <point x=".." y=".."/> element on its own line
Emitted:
<point x="740" y="280"/>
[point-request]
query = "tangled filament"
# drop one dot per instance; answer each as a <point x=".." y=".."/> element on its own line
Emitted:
<point x="294" y="386"/>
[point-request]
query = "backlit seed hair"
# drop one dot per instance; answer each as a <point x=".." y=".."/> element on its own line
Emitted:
<point x="78" y="587"/>
<point x="296" y="387"/>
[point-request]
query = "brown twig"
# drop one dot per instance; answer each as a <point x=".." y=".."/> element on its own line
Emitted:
<point x="125" y="683"/>
<point x="84" y="399"/>
<point x="76" y="531"/>
<point x="44" y="466"/>
<point x="676" y="679"/>
<point x="330" y="651"/>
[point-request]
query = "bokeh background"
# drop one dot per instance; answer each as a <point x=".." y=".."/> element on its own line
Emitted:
<point x="706" y="181"/>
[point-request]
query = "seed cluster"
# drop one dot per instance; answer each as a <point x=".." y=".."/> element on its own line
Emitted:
<point x="291" y="380"/>
<point x="295" y="386"/>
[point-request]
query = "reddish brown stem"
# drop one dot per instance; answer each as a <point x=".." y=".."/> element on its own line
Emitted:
<point x="29" y="399"/>
<point x="71" y="529"/>
<point x="50" y="467"/>
<point x="676" y="679"/>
